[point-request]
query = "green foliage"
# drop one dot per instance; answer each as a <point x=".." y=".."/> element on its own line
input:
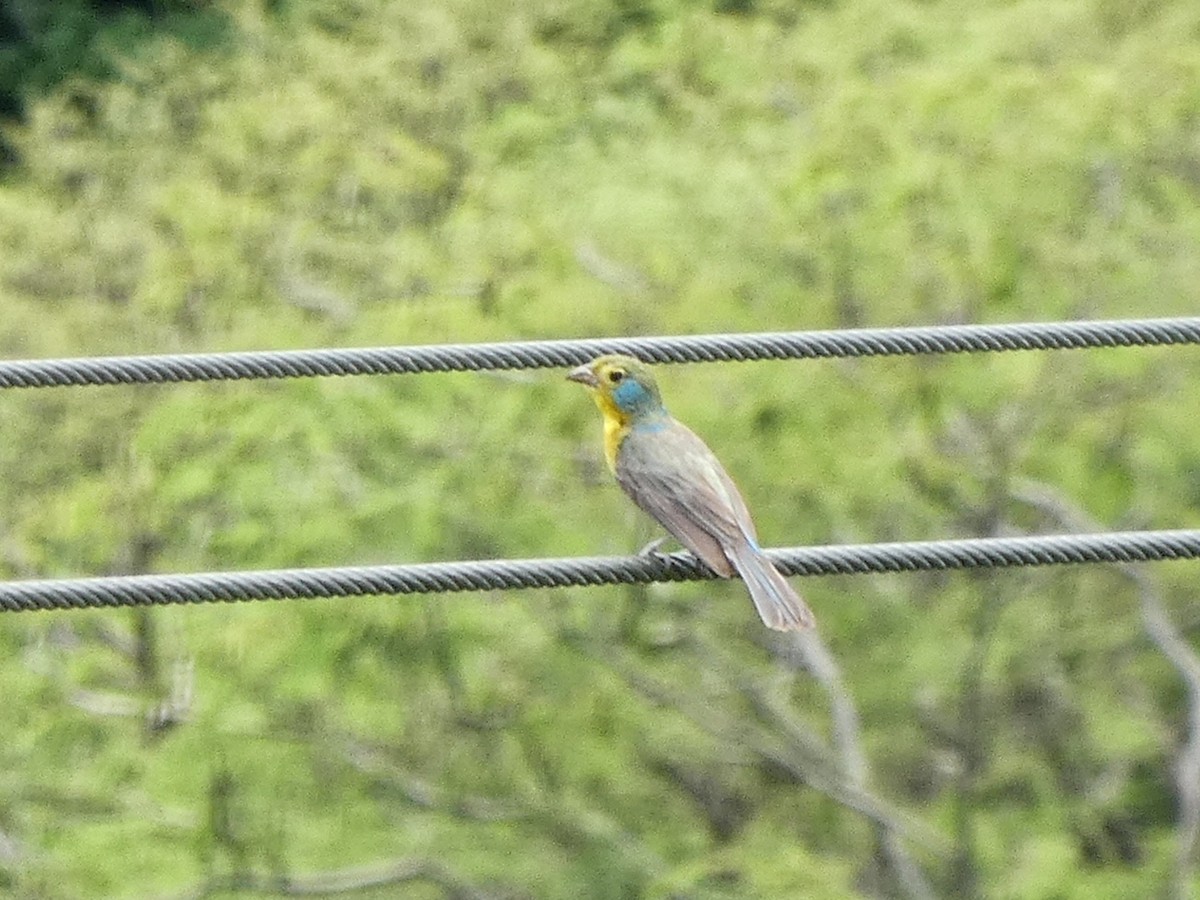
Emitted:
<point x="351" y="172"/>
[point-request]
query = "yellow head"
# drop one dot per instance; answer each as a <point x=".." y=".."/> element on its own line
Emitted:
<point x="622" y="387"/>
<point x="625" y="391"/>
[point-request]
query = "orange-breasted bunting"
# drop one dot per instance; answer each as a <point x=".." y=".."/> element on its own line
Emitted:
<point x="672" y="475"/>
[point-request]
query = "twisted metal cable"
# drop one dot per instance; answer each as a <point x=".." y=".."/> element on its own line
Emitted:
<point x="563" y="353"/>
<point x="487" y="575"/>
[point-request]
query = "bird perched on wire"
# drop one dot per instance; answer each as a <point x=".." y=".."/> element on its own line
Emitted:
<point x="672" y="475"/>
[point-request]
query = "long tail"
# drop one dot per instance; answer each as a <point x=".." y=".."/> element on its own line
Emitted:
<point x="778" y="605"/>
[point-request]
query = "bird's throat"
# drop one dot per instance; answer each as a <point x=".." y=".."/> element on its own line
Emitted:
<point x="616" y="426"/>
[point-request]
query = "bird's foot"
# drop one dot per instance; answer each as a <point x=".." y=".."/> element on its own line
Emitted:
<point x="652" y="548"/>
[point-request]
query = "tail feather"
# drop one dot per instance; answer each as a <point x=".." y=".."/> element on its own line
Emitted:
<point x="778" y="605"/>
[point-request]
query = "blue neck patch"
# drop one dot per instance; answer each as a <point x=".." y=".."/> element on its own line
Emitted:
<point x="652" y="425"/>
<point x="632" y="397"/>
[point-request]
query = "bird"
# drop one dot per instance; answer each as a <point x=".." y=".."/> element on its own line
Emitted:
<point x="672" y="475"/>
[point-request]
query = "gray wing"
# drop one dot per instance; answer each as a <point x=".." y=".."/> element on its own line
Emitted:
<point x="673" y="476"/>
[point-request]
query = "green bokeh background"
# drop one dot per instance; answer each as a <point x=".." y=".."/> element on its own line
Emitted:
<point x="186" y="176"/>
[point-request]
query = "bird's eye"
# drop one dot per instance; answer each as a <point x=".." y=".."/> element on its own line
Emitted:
<point x="616" y="375"/>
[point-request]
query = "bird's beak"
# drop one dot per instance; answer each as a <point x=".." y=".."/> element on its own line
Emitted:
<point x="585" y="376"/>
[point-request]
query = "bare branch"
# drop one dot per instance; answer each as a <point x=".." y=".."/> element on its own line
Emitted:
<point x="797" y="761"/>
<point x="619" y="276"/>
<point x="847" y="740"/>
<point x="564" y="820"/>
<point x="1167" y="638"/>
<point x="424" y="795"/>
<point x="347" y="881"/>
<point x="817" y="659"/>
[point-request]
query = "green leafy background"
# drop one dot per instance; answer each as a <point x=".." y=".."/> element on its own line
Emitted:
<point x="195" y="175"/>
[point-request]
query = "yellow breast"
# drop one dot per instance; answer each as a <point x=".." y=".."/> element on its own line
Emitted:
<point x="616" y="426"/>
<point x="614" y="432"/>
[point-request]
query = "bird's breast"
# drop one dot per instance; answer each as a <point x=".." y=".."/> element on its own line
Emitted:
<point x="615" y="432"/>
<point x="620" y="436"/>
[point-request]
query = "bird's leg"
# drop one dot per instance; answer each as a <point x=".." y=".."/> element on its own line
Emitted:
<point x="652" y="548"/>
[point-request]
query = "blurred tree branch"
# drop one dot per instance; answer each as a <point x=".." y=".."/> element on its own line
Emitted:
<point x="348" y="881"/>
<point x="1167" y="638"/>
<point x="420" y="793"/>
<point x="619" y="276"/>
<point x="566" y="821"/>
<point x="821" y="664"/>
<point x="802" y="757"/>
<point x="986" y="448"/>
